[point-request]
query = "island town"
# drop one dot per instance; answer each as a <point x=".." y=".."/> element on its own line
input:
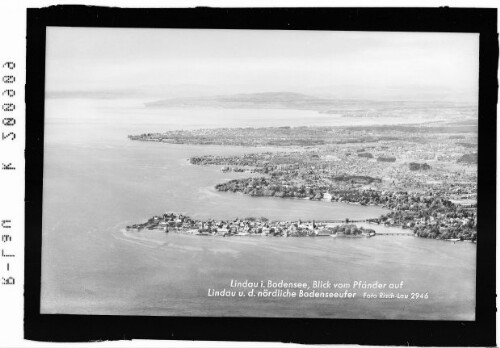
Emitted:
<point x="179" y="223"/>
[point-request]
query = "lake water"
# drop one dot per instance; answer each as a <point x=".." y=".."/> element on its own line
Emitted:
<point x="96" y="181"/>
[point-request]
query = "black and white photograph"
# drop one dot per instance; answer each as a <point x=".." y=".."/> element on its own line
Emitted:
<point x="260" y="173"/>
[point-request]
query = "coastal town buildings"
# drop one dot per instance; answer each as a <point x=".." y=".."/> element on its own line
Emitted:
<point x="426" y="175"/>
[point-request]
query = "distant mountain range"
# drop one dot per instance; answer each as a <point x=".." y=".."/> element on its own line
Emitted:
<point x="268" y="100"/>
<point x="198" y="97"/>
<point x="293" y="101"/>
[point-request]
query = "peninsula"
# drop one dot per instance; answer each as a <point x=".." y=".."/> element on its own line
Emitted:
<point x="426" y="174"/>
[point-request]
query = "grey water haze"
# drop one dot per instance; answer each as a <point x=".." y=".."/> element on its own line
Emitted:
<point x="169" y="63"/>
<point x="96" y="181"/>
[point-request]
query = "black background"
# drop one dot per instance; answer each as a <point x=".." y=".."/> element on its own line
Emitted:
<point x="373" y="332"/>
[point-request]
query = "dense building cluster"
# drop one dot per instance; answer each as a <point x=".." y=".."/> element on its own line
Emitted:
<point x="266" y="136"/>
<point x="309" y="136"/>
<point x="250" y="226"/>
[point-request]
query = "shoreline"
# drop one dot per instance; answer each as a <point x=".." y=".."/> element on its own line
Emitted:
<point x="132" y="234"/>
<point x="326" y="169"/>
<point x="179" y="223"/>
<point x="263" y="227"/>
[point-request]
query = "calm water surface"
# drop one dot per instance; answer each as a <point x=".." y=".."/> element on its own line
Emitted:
<point x="96" y="182"/>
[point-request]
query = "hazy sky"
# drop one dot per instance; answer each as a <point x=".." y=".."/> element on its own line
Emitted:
<point x="349" y="64"/>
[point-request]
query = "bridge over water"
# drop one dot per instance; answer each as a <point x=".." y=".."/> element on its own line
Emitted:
<point x="348" y="221"/>
<point x="386" y="231"/>
<point x="399" y="233"/>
